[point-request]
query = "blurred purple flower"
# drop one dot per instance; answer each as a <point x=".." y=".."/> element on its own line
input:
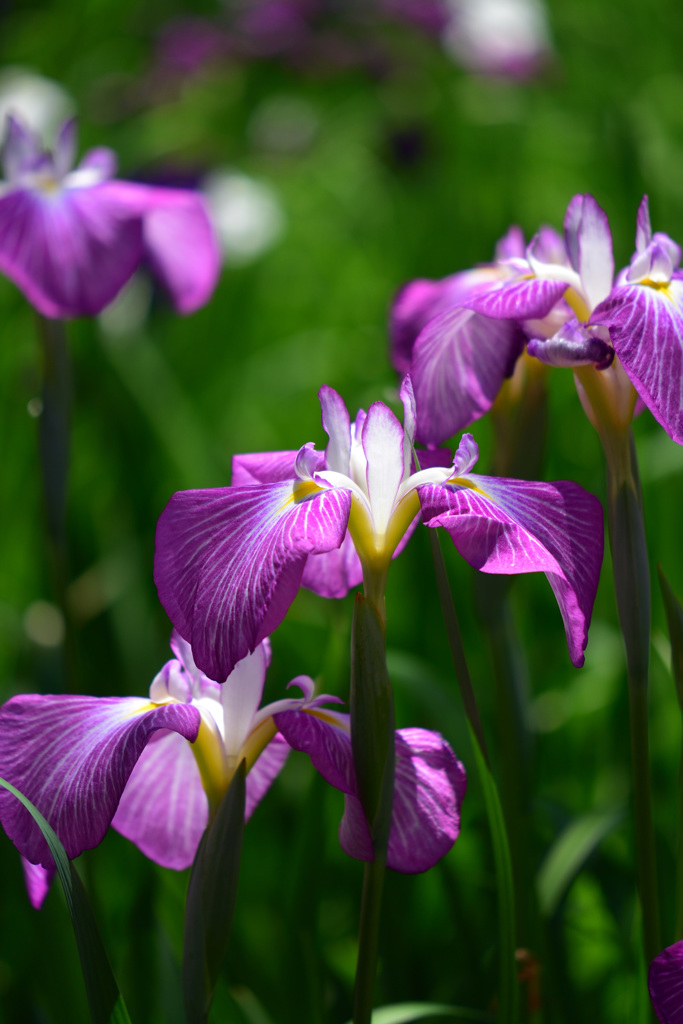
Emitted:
<point x="563" y="294"/>
<point x="70" y="239"/>
<point x="665" y="982"/>
<point x="229" y="561"/>
<point x="88" y="762"/>
<point x="459" y="357"/>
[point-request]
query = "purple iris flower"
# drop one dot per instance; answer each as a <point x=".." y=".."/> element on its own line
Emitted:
<point x="229" y="561"/>
<point x="90" y="762"/>
<point x="665" y="981"/>
<point x="71" y="238"/>
<point x="631" y="329"/>
<point x="457" y="357"/>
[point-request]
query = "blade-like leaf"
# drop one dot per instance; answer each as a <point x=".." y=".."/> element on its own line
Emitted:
<point x="211" y="898"/>
<point x="507" y="971"/>
<point x="570" y="852"/>
<point x="412" y="1013"/>
<point x="105" y="1000"/>
<point x="674" y="618"/>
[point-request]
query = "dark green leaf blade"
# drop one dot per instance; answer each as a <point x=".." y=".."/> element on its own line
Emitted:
<point x="105" y="1000"/>
<point x="211" y="899"/>
<point x="570" y="852"/>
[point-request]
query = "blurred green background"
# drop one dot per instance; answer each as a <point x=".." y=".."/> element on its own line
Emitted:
<point x="375" y="172"/>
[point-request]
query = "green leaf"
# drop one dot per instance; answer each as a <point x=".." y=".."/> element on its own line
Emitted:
<point x="507" y="971"/>
<point x="411" y="1013"/>
<point x="105" y="1000"/>
<point x="372" y="722"/>
<point x="674" y="618"/>
<point x="211" y="899"/>
<point x="570" y="852"/>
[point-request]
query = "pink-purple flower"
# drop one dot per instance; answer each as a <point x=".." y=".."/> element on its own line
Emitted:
<point x="665" y="981"/>
<point x="156" y="768"/>
<point x="70" y="238"/>
<point x="229" y="561"/>
<point x="564" y="295"/>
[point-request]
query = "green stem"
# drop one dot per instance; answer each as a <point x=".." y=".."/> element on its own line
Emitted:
<point x="54" y="461"/>
<point x="508" y="988"/>
<point x="678" y="935"/>
<point x="632" y="587"/>
<point x="372" y="740"/>
<point x="368" y="939"/>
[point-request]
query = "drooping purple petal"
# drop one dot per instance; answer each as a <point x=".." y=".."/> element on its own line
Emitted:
<point x="515" y="526"/>
<point x="665" y="982"/>
<point x="333" y="573"/>
<point x="70" y="251"/>
<point x="179" y="241"/>
<point x="72" y="757"/>
<point x="263" y="773"/>
<point x="573" y="345"/>
<point x="326" y="738"/>
<point x="163" y="808"/>
<point x="429" y="787"/>
<point x="263" y="468"/>
<point x="415" y="305"/>
<point x="526" y="298"/>
<point x="38" y="881"/>
<point x="460" y="361"/>
<point x="646" y="327"/>
<point x="228" y="562"/>
<point x="589" y="243"/>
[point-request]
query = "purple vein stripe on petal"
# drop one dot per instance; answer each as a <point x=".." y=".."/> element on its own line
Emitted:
<point x="529" y="299"/>
<point x="665" y="981"/>
<point x="72" y="757"/>
<point x="163" y="809"/>
<point x="515" y="526"/>
<point x="229" y="562"/>
<point x="460" y="361"/>
<point x="264" y="772"/>
<point x="646" y="327"/>
<point x="429" y="788"/>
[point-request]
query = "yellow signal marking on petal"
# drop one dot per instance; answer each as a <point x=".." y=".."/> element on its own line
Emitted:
<point x="659" y="286"/>
<point x="578" y="304"/>
<point x="302" y="489"/>
<point x="325" y="717"/>
<point x="462" y="482"/>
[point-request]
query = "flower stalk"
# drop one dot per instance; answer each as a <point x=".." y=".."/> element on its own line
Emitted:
<point x="53" y="442"/>
<point x="372" y="738"/>
<point x="632" y="586"/>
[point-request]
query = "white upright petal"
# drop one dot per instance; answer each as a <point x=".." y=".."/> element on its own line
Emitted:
<point x="383" y="446"/>
<point x="241" y="695"/>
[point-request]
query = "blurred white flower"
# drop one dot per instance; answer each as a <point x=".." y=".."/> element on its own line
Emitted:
<point x="39" y="102"/>
<point x="247" y="215"/>
<point x="498" y="37"/>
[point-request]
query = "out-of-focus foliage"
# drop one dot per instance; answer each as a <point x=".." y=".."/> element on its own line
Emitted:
<point x="371" y="173"/>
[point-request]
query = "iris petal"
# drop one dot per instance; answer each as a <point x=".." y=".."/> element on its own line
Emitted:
<point x="516" y="526"/>
<point x="229" y="561"/>
<point x="72" y="757"/>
